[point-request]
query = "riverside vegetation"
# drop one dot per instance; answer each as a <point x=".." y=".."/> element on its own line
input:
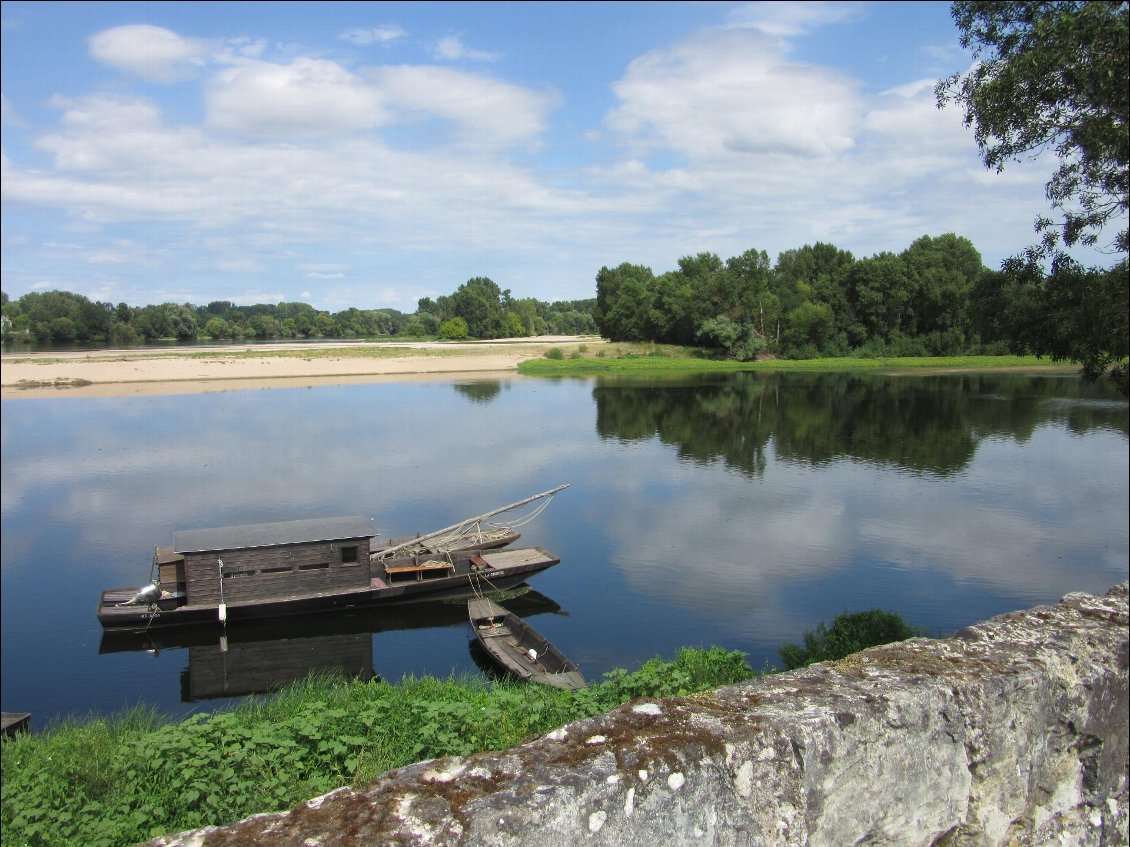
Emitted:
<point x="650" y="359"/>
<point x="108" y="781"/>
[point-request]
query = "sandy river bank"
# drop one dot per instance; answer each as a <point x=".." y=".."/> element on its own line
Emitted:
<point x="126" y="373"/>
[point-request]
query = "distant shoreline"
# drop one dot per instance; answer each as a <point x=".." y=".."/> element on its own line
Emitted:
<point x="191" y="370"/>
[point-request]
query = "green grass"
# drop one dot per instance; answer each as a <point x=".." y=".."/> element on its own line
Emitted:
<point x="668" y="360"/>
<point x="105" y="782"/>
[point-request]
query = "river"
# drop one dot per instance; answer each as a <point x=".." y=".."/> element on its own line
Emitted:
<point x="731" y="510"/>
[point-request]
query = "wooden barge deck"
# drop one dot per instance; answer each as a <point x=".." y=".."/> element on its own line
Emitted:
<point x="454" y="576"/>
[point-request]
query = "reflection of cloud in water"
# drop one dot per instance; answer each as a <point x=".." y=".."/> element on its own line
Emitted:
<point x="1038" y="520"/>
<point x="123" y="475"/>
<point x="721" y="548"/>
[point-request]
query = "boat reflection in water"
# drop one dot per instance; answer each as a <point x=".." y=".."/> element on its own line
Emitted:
<point x="260" y="657"/>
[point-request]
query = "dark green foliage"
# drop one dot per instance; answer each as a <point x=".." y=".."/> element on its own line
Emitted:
<point x="817" y="301"/>
<point x="849" y="633"/>
<point x="1051" y="76"/>
<point x="1073" y="314"/>
<point x="623" y="299"/>
<point x="482" y="304"/>
<point x="453" y="329"/>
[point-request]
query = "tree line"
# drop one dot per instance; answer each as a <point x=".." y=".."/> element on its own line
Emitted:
<point x="934" y="298"/>
<point x="478" y="309"/>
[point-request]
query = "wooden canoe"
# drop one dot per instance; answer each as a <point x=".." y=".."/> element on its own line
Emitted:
<point x="519" y="649"/>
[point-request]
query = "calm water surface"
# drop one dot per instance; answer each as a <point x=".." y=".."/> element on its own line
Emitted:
<point x="737" y="511"/>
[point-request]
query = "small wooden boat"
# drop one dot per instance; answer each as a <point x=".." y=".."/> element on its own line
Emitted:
<point x="519" y="649"/>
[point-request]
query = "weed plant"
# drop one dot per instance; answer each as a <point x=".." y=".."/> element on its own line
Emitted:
<point x="110" y="782"/>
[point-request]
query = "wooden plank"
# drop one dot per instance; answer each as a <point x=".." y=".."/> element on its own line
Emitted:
<point x="430" y="565"/>
<point x="13" y="722"/>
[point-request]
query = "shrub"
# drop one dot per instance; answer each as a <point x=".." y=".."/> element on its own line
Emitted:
<point x="453" y="329"/>
<point x="848" y="634"/>
<point x="555" y="353"/>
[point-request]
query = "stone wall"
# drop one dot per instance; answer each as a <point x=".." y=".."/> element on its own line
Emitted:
<point x="1011" y="732"/>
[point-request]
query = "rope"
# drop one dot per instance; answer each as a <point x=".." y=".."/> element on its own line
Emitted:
<point x="469" y="529"/>
<point x="535" y="512"/>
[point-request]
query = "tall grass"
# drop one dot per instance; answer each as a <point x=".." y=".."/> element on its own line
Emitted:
<point x="107" y="782"/>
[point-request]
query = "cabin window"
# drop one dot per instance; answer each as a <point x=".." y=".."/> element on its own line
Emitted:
<point x="233" y="574"/>
<point x="349" y="555"/>
<point x="314" y="567"/>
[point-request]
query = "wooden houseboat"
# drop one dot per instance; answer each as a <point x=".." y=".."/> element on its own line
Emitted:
<point x="276" y="569"/>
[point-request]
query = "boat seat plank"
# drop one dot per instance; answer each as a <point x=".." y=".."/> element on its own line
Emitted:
<point x="430" y="565"/>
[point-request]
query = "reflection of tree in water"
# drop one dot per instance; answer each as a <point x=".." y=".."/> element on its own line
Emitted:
<point x="727" y="420"/>
<point x="924" y="424"/>
<point x="480" y="392"/>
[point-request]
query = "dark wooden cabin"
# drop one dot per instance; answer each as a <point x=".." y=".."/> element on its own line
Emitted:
<point x="270" y="560"/>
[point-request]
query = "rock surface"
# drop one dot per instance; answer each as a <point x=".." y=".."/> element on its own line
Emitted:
<point x="1011" y="732"/>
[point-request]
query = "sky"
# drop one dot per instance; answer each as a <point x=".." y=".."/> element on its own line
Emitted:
<point x="370" y="154"/>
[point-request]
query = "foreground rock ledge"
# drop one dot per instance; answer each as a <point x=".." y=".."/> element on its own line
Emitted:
<point x="1013" y="731"/>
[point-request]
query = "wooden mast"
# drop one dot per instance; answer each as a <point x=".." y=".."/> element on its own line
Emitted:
<point x="382" y="554"/>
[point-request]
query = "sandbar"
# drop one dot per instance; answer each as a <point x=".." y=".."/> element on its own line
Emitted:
<point x="189" y="370"/>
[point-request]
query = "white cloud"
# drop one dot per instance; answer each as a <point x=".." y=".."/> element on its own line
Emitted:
<point x="7" y="114"/>
<point x="306" y="98"/>
<point x="785" y="20"/>
<point x="240" y="265"/>
<point x="150" y="52"/>
<point x="375" y="35"/>
<point x="452" y="49"/>
<point x="483" y="111"/>
<point x="724" y="94"/>
<point x="720" y="142"/>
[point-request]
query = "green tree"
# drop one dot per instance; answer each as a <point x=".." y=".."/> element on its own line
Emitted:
<point x="303" y="315"/>
<point x="808" y="329"/>
<point x="1074" y="314"/>
<point x="1052" y="76"/>
<point x="512" y="326"/>
<point x="530" y="315"/>
<point x="264" y="326"/>
<point x="671" y="317"/>
<point x="324" y="325"/>
<point x="453" y="329"/>
<point x="743" y="292"/>
<point x="62" y="329"/>
<point x="217" y="328"/>
<point x="819" y="273"/>
<point x="623" y="299"/>
<point x="481" y="303"/>
<point x="880" y="289"/>
<point x="740" y="341"/>
<point x="182" y="320"/>
<point x="943" y="271"/>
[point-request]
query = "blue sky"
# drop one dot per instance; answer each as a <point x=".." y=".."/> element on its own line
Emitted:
<point x="370" y="154"/>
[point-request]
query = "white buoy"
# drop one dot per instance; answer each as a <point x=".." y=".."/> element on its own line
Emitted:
<point x="533" y="654"/>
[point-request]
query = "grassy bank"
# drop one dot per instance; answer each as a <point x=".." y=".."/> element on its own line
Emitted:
<point x="125" y="779"/>
<point x="652" y="358"/>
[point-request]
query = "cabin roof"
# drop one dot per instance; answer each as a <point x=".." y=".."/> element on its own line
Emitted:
<point x="272" y="534"/>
